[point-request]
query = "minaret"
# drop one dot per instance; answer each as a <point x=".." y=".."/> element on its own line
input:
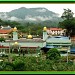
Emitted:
<point x="44" y="33"/>
<point x="15" y="34"/>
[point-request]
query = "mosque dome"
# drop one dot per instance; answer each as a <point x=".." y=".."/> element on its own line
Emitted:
<point x="29" y="36"/>
<point x="45" y="29"/>
<point x="14" y="29"/>
<point x="16" y="43"/>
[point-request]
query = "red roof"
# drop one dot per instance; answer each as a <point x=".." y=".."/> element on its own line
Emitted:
<point x="4" y="47"/>
<point x="5" y="31"/>
<point x="55" y="29"/>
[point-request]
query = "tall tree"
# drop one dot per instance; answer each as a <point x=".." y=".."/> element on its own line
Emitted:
<point x="67" y="14"/>
<point x="68" y="22"/>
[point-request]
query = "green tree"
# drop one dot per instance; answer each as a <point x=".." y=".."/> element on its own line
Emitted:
<point x="2" y="39"/>
<point x="68" y="22"/>
<point x="67" y="14"/>
<point x="7" y="66"/>
<point x="53" y="54"/>
<point x="19" y="65"/>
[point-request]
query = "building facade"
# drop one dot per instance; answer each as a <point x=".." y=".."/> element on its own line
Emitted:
<point x="34" y="44"/>
<point x="56" y="31"/>
<point x="60" y="42"/>
<point x="5" y="31"/>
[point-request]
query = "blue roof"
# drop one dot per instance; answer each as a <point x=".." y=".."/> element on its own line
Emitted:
<point x="58" y="39"/>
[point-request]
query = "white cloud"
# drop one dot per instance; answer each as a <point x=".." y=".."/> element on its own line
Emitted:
<point x="37" y="18"/>
<point x="3" y="16"/>
<point x="13" y="18"/>
<point x="30" y="18"/>
<point x="43" y="18"/>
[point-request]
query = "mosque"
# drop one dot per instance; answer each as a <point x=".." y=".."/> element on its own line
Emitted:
<point x="35" y="45"/>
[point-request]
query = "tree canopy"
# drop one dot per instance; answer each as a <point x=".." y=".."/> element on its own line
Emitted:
<point x="67" y="14"/>
<point x="68" y="22"/>
<point x="53" y="54"/>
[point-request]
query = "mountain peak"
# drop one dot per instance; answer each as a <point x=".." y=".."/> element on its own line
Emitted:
<point x="28" y="14"/>
<point x="22" y="8"/>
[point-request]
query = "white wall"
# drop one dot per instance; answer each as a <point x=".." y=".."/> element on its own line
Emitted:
<point x="26" y="44"/>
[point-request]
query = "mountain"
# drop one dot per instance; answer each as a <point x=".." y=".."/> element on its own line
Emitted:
<point x="41" y="15"/>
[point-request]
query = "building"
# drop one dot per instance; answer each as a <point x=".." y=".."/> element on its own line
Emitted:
<point x="60" y="42"/>
<point x="5" y="31"/>
<point x="56" y="31"/>
<point x="26" y="44"/>
<point x="31" y="44"/>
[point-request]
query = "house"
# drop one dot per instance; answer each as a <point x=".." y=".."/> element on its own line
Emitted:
<point x="56" y="31"/>
<point x="60" y="42"/>
<point x="4" y="31"/>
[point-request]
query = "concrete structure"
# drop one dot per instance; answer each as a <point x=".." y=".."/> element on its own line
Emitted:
<point x="45" y="34"/>
<point x="33" y="44"/>
<point x="15" y="34"/>
<point x="60" y="42"/>
<point x="56" y="31"/>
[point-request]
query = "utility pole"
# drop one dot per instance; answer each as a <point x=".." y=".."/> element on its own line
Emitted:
<point x="67" y="54"/>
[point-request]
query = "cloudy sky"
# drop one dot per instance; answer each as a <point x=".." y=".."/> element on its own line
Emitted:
<point x="57" y="8"/>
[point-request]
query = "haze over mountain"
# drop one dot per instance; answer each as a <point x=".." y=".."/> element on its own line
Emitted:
<point x="41" y="15"/>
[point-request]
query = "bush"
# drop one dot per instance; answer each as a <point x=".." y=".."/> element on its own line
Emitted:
<point x="36" y="64"/>
<point x="2" y="39"/>
<point x="53" y="54"/>
<point x="1" y="66"/>
<point x="7" y="66"/>
<point x="18" y="65"/>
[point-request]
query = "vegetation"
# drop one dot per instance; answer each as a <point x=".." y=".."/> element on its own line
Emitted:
<point x="53" y="54"/>
<point x="68" y="22"/>
<point x="67" y="14"/>
<point x="53" y="62"/>
<point x="2" y="39"/>
<point x="35" y="64"/>
<point x="24" y="27"/>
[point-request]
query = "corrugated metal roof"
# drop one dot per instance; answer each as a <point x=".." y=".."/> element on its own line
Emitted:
<point x="55" y="29"/>
<point x="58" y="40"/>
<point x="2" y="31"/>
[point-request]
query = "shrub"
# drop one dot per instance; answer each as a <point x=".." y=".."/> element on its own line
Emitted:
<point x="18" y="65"/>
<point x="2" y="39"/>
<point x="7" y="66"/>
<point x="53" y="54"/>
